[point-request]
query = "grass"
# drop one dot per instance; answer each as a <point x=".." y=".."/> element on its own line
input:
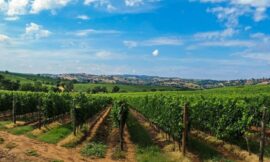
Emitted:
<point x="31" y="152"/>
<point x="146" y="150"/>
<point x="118" y="154"/>
<point x="57" y="161"/>
<point x="56" y="134"/>
<point x="10" y="145"/>
<point x="3" y="124"/>
<point x="21" y="130"/>
<point x="94" y="150"/>
<point x="206" y="152"/>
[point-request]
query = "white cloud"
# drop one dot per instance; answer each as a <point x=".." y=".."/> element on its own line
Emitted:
<point x="234" y="9"/>
<point x="123" y="6"/>
<point x="159" y="41"/>
<point x="163" y="41"/>
<point x="103" y="54"/>
<point x="83" y="17"/>
<point x="101" y="3"/>
<point x="87" y="32"/>
<point x="155" y="53"/>
<point x="216" y="34"/>
<point x="130" y="44"/>
<point x="132" y="3"/>
<point x="228" y="43"/>
<point x="40" y="5"/>
<point x="16" y="7"/>
<point x="35" y="31"/>
<point x="261" y="36"/>
<point x="14" y="18"/>
<point x="4" y="38"/>
<point x="260" y="56"/>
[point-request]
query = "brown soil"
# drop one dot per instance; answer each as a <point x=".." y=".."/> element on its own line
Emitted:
<point x="113" y="145"/>
<point x="98" y="123"/>
<point x="130" y="147"/>
<point x="47" y="152"/>
<point x="80" y="137"/>
<point x="159" y="138"/>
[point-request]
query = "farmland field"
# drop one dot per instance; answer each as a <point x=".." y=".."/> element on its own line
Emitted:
<point x="220" y="123"/>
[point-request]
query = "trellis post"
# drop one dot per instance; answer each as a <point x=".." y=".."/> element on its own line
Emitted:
<point x="262" y="140"/>
<point x="185" y="129"/>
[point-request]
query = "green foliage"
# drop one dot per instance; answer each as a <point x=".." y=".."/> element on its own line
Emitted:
<point x="115" y="89"/>
<point x="119" y="111"/>
<point x="94" y="149"/>
<point x="6" y="84"/>
<point x="99" y="89"/>
<point x="87" y="87"/>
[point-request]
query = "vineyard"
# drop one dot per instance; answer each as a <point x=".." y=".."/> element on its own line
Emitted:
<point x="227" y="124"/>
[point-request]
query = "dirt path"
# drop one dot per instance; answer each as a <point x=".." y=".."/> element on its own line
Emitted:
<point x="130" y="147"/>
<point x="92" y="122"/>
<point x="98" y="124"/>
<point x="47" y="152"/>
<point x="161" y="141"/>
<point x="112" y="141"/>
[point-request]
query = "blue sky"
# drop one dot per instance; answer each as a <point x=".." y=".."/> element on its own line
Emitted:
<point x="199" y="39"/>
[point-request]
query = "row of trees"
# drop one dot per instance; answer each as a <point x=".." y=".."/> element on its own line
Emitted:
<point x="99" y="89"/>
<point x="37" y="86"/>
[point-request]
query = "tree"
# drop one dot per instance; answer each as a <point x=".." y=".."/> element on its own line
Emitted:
<point x="7" y="84"/>
<point x="115" y="89"/>
<point x="27" y="87"/>
<point x="99" y="89"/>
<point x="69" y="86"/>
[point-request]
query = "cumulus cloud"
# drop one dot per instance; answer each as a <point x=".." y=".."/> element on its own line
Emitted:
<point x="155" y="53"/>
<point x="35" y="31"/>
<point x="40" y="5"/>
<point x="16" y="7"/>
<point x="132" y="3"/>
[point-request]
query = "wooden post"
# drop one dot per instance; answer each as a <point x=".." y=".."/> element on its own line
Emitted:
<point x="121" y="126"/>
<point x="39" y="114"/>
<point x="73" y="113"/>
<point x="262" y="140"/>
<point x="185" y="129"/>
<point x="14" y="109"/>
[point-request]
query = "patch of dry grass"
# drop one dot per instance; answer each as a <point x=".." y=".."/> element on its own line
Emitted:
<point x="12" y="125"/>
<point x="46" y="128"/>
